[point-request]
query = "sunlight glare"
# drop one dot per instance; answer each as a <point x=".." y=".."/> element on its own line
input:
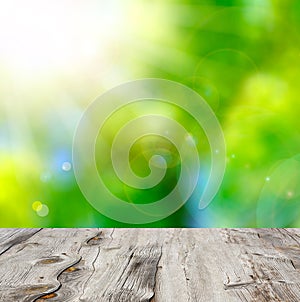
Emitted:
<point x="45" y="35"/>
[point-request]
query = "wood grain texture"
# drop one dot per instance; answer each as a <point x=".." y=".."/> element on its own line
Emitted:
<point x="150" y="265"/>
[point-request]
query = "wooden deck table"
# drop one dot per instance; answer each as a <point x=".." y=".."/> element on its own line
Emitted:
<point x="156" y="265"/>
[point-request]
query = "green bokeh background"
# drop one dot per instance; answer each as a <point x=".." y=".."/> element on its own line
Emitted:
<point x="241" y="56"/>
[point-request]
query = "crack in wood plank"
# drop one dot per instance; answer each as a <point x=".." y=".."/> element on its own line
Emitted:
<point x="74" y="278"/>
<point x="53" y="294"/>
<point x="14" y="237"/>
<point x="138" y="276"/>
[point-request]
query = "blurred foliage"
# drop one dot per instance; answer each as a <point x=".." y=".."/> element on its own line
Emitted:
<point x="241" y="56"/>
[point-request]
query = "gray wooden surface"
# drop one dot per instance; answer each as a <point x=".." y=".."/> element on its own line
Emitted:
<point x="156" y="265"/>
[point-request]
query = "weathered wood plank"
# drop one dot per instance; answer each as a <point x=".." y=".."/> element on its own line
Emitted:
<point x="30" y="269"/>
<point x="125" y="269"/>
<point x="198" y="262"/>
<point x="267" y="256"/>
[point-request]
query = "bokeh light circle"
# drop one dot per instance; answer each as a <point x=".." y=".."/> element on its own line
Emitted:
<point x="43" y="211"/>
<point x="66" y="166"/>
<point x="89" y="176"/>
<point x="37" y="205"/>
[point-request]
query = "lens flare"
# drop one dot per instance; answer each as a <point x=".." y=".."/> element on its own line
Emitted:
<point x="280" y="195"/>
<point x="91" y="176"/>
